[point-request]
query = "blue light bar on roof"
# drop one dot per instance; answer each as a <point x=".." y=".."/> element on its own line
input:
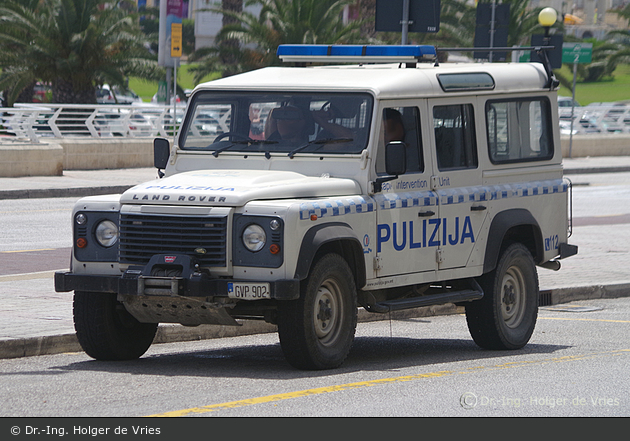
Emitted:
<point x="355" y="53"/>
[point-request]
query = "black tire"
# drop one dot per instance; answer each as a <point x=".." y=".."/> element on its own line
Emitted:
<point x="317" y="330"/>
<point x="506" y="315"/>
<point x="106" y="331"/>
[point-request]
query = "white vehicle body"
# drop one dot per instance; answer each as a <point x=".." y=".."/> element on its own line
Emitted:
<point x="445" y="219"/>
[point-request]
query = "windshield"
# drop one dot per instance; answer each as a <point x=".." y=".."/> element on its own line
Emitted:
<point x="286" y="123"/>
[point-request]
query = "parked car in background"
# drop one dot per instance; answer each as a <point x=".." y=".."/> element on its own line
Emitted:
<point x="42" y="93"/>
<point x="114" y="95"/>
<point x="123" y="124"/>
<point x="565" y="101"/>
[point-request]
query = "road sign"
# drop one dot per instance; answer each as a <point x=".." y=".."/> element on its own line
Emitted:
<point x="577" y="53"/>
<point x="176" y="40"/>
<point x="162" y="92"/>
<point x="554" y="55"/>
<point x="491" y="33"/>
<point x="424" y="16"/>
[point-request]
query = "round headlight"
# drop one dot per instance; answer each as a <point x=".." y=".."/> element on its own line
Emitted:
<point x="106" y="233"/>
<point x="254" y="237"/>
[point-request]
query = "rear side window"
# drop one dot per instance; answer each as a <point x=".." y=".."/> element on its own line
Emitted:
<point x="519" y="130"/>
<point x="454" y="127"/>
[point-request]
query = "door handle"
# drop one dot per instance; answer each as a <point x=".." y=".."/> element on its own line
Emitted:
<point x="426" y="213"/>
<point x="478" y="208"/>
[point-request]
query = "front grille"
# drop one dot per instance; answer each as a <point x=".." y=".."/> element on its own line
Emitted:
<point x="142" y="236"/>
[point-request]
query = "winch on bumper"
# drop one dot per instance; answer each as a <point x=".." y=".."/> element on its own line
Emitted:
<point x="174" y="289"/>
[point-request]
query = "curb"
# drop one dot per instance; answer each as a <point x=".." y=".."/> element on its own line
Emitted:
<point x="588" y="170"/>
<point x="62" y="192"/>
<point x="167" y="333"/>
<point x="118" y="189"/>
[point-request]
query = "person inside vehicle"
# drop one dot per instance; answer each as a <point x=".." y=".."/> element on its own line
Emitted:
<point x="329" y="129"/>
<point x="294" y="124"/>
<point x="393" y="129"/>
<point x="288" y="123"/>
<point x="394" y="126"/>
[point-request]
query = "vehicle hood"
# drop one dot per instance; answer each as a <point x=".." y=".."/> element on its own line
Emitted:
<point x="235" y="188"/>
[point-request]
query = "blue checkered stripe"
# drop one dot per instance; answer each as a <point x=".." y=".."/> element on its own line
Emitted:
<point x="336" y="207"/>
<point x="462" y="195"/>
<point x="390" y="201"/>
<point x="498" y="192"/>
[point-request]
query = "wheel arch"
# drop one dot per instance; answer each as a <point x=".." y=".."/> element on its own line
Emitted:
<point x="509" y="226"/>
<point x="335" y="237"/>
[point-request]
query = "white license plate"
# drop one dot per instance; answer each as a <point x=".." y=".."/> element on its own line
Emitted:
<point x="248" y="291"/>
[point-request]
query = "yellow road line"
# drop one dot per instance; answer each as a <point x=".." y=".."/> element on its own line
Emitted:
<point x="48" y="210"/>
<point x="28" y="276"/>
<point x="362" y="384"/>
<point x="302" y="393"/>
<point x="584" y="319"/>
<point x="27" y="251"/>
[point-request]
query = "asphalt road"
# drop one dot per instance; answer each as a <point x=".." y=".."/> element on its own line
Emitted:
<point x="575" y="366"/>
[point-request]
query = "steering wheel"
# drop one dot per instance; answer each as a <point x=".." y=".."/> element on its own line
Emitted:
<point x="326" y="105"/>
<point x="234" y="134"/>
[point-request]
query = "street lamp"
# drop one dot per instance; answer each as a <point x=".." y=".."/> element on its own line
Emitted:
<point x="547" y="18"/>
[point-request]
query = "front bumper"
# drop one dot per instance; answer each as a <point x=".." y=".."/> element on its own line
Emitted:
<point x="192" y="299"/>
<point x="137" y="284"/>
<point x="172" y="275"/>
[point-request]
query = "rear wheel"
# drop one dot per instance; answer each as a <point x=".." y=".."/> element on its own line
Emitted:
<point x="106" y="331"/>
<point x="316" y="331"/>
<point x="506" y="315"/>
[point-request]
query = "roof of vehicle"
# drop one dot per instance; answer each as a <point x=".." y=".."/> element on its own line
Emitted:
<point x="383" y="80"/>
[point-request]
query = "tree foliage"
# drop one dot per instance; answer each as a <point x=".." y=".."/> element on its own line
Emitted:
<point x="279" y="22"/>
<point x="73" y="45"/>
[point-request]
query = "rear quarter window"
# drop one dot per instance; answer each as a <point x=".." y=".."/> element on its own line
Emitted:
<point x="519" y="130"/>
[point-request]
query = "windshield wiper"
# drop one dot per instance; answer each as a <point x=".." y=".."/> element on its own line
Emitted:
<point x="319" y="141"/>
<point x="216" y="152"/>
<point x="248" y="142"/>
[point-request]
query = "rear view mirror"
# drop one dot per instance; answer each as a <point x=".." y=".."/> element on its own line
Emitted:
<point x="161" y="152"/>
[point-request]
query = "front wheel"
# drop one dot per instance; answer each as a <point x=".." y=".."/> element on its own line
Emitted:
<point x="506" y="315"/>
<point x="106" y="331"/>
<point x="316" y="331"/>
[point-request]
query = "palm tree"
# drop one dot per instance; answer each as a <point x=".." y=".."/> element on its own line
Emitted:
<point x="279" y="22"/>
<point x="74" y="45"/>
<point x="607" y="55"/>
<point x="229" y="46"/>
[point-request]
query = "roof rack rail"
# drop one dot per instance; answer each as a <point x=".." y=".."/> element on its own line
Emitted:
<point x="410" y="54"/>
<point x="552" y="81"/>
<point x="339" y="53"/>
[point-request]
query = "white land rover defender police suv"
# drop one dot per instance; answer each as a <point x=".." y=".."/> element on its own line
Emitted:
<point x="297" y="194"/>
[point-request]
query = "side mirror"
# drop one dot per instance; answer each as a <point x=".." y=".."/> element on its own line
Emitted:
<point x="395" y="163"/>
<point x="396" y="158"/>
<point x="161" y="152"/>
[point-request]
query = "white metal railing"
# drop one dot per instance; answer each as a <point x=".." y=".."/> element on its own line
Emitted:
<point x="596" y="119"/>
<point x="34" y="122"/>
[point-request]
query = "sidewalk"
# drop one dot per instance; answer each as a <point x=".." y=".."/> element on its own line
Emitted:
<point x="77" y="183"/>
<point x="36" y="320"/>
